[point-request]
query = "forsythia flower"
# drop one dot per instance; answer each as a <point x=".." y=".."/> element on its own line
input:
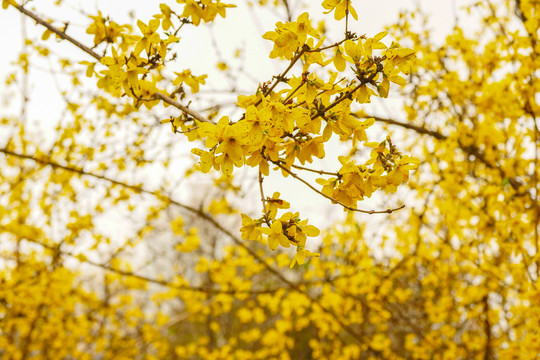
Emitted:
<point x="192" y="81"/>
<point x="288" y="37"/>
<point x="275" y="235"/>
<point x="341" y="7"/>
<point x="301" y="255"/>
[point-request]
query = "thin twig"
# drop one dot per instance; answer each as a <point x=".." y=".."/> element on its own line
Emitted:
<point x="387" y="211"/>
<point x="295" y="90"/>
<point x="146" y="278"/>
<point x="288" y="9"/>
<point x="281" y="77"/>
<point x="320" y="172"/>
<point x="263" y="199"/>
<point x="347" y="20"/>
<point x="346" y="95"/>
<point x="416" y="128"/>
<point x="331" y="46"/>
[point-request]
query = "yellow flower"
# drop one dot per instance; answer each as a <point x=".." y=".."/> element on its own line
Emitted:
<point x="249" y="229"/>
<point x="341" y="7"/>
<point x="288" y="37"/>
<point x="276" y="203"/>
<point x="303" y="28"/>
<point x="275" y="235"/>
<point x="6" y="3"/>
<point x="259" y="122"/>
<point x="150" y="37"/>
<point x="189" y="79"/>
<point x="301" y="255"/>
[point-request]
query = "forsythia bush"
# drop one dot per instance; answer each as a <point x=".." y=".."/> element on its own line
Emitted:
<point x="122" y="241"/>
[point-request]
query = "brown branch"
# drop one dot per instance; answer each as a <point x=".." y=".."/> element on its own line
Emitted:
<point x="288" y="9"/>
<point x="295" y="90"/>
<point x="281" y="77"/>
<point x="348" y="94"/>
<point x="86" y="49"/>
<point x="263" y="199"/>
<point x="331" y="46"/>
<point x="529" y="110"/>
<point x="416" y="128"/>
<point x="178" y="105"/>
<point x="320" y="172"/>
<point x="58" y="32"/>
<point x="347" y="19"/>
<point x="387" y="211"/>
<point x="343" y="96"/>
<point x="468" y="149"/>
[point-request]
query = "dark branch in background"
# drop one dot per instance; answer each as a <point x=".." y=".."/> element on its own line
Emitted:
<point x="416" y="128"/>
<point x="98" y="57"/>
<point x="200" y="213"/>
<point x="487" y="329"/>
<point x="518" y="12"/>
<point x="164" y="283"/>
<point x="468" y="149"/>
<point x="288" y="9"/>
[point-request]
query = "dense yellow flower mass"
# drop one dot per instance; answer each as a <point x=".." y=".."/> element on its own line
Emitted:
<point x="112" y="250"/>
